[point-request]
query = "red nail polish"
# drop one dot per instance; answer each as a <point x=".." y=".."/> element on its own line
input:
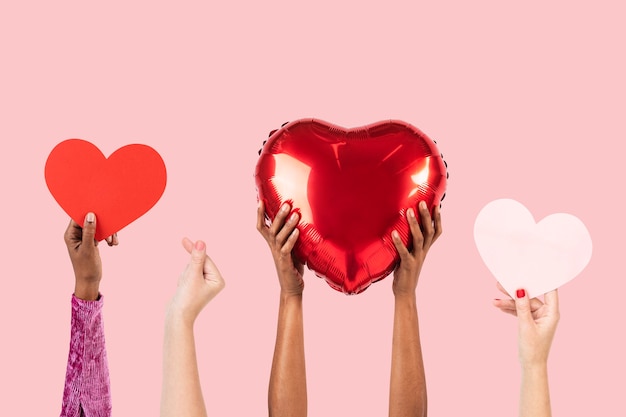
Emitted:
<point x="520" y="293"/>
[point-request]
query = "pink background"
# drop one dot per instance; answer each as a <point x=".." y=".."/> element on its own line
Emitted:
<point x="526" y="101"/>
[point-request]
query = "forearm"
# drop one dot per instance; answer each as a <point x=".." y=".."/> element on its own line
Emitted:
<point x="87" y="378"/>
<point x="407" y="395"/>
<point x="181" y="392"/>
<point x="535" y="394"/>
<point x="287" y="389"/>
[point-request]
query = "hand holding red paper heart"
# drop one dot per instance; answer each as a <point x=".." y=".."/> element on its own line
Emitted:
<point x="83" y="250"/>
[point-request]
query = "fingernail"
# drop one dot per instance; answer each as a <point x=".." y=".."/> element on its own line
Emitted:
<point x="284" y="208"/>
<point x="423" y="205"/>
<point x="395" y="234"/>
<point x="293" y="217"/>
<point x="520" y="293"/>
<point x="411" y="213"/>
<point x="200" y="245"/>
<point x="91" y="218"/>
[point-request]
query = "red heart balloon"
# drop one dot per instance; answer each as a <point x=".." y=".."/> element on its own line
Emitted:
<point x="352" y="188"/>
<point x="118" y="190"/>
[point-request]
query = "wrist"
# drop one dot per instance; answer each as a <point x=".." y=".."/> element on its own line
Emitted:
<point x="538" y="365"/>
<point x="178" y="318"/>
<point x="290" y="297"/>
<point x="89" y="291"/>
<point x="405" y="297"/>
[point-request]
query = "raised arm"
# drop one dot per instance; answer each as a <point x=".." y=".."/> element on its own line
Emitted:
<point x="537" y="322"/>
<point x="87" y="390"/>
<point x="287" y="388"/>
<point x="407" y="393"/>
<point x="198" y="284"/>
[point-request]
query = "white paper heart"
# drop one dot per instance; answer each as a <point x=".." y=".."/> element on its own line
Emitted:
<point x="520" y="253"/>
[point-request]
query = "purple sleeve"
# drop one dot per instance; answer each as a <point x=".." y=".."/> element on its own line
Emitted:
<point x="87" y="387"/>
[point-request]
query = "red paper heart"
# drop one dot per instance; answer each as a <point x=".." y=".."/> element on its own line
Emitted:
<point x="118" y="190"/>
<point x="352" y="188"/>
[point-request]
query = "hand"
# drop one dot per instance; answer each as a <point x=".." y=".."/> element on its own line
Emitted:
<point x="83" y="250"/>
<point x="407" y="272"/>
<point x="197" y="285"/>
<point x="537" y="322"/>
<point x="281" y="237"/>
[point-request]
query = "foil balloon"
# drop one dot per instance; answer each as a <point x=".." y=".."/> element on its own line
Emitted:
<point x="352" y="188"/>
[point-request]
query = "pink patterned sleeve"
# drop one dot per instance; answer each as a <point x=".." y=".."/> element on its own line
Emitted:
<point x="87" y="390"/>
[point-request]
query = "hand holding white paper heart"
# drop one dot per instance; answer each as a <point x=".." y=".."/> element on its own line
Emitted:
<point x="520" y="253"/>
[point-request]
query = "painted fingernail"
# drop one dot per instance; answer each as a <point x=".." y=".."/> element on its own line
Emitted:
<point x="200" y="245"/>
<point x="520" y="293"/>
<point x="423" y="205"/>
<point x="411" y="213"/>
<point x="91" y="218"/>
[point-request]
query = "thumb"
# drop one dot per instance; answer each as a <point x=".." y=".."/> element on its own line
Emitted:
<point x="89" y="230"/>
<point x="522" y="305"/>
<point x="198" y="254"/>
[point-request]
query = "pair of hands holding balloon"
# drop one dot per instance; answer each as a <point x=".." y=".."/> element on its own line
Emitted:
<point x="282" y="234"/>
<point x="197" y="285"/>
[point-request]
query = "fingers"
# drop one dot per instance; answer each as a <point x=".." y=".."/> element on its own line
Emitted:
<point x="286" y="249"/>
<point x="260" y="218"/>
<point x="502" y="289"/>
<point x="402" y="250"/>
<point x="509" y="304"/>
<point x="112" y="240"/>
<point x="279" y="220"/>
<point x="72" y="233"/>
<point x="428" y="230"/>
<point x="188" y="245"/>
<point x="198" y="255"/>
<point x="286" y="231"/>
<point x="438" y="227"/>
<point x="89" y="230"/>
<point x="283" y="232"/>
<point x="505" y="306"/>
<point x="522" y="306"/>
<point x="211" y="271"/>
<point x="414" y="227"/>
<point x="551" y="298"/>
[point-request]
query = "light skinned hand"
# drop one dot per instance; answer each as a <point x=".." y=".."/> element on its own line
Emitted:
<point x="537" y="323"/>
<point x="281" y="236"/>
<point x="406" y="275"/>
<point x="197" y="285"/>
<point x="83" y="250"/>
